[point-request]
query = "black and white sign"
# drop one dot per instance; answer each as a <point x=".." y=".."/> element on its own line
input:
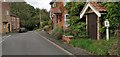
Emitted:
<point x="107" y="23"/>
<point x="107" y="29"/>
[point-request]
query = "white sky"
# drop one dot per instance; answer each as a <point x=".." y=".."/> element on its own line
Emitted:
<point x="40" y="3"/>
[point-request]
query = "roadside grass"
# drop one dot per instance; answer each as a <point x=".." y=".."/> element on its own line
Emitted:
<point x="38" y="29"/>
<point x="101" y="47"/>
<point x="57" y="33"/>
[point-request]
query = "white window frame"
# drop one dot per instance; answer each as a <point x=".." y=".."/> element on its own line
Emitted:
<point x="7" y="12"/>
<point x="65" y="20"/>
<point x="54" y="4"/>
<point x="4" y="0"/>
<point x="65" y="1"/>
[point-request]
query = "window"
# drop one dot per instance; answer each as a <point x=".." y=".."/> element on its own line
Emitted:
<point x="54" y="5"/>
<point x="66" y="18"/>
<point x="4" y="0"/>
<point x="7" y="12"/>
<point x="65" y="1"/>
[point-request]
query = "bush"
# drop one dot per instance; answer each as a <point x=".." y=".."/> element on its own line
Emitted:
<point x="38" y="29"/>
<point x="68" y="32"/>
<point x="57" y="33"/>
<point x="48" y="26"/>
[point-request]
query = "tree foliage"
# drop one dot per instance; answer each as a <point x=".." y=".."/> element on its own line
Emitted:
<point x="77" y="26"/>
<point x="112" y="15"/>
<point x="29" y="16"/>
<point x="74" y="8"/>
<point x="113" y="9"/>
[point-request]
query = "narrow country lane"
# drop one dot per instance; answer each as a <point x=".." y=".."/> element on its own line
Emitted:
<point x="29" y="43"/>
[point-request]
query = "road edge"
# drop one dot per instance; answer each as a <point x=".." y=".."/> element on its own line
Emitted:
<point x="69" y="53"/>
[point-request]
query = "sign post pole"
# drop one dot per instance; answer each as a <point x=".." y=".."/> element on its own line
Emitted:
<point x="107" y="33"/>
<point x="107" y="29"/>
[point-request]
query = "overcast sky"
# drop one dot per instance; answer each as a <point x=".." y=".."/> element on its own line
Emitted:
<point x="40" y="3"/>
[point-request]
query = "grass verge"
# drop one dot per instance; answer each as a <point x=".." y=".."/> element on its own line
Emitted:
<point x="101" y="47"/>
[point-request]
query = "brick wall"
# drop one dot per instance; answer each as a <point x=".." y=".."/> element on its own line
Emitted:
<point x="63" y="10"/>
<point x="15" y="23"/>
<point x="5" y="11"/>
<point x="0" y="18"/>
<point x="5" y="17"/>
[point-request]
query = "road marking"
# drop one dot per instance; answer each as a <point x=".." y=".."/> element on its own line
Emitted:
<point x="4" y="37"/>
<point x="55" y="44"/>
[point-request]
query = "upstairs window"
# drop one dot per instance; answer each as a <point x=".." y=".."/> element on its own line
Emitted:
<point x="54" y="5"/>
<point x="7" y="12"/>
<point x="65" y="1"/>
<point x="4" y="0"/>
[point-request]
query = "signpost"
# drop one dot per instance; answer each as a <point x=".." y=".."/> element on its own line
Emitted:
<point x="107" y="29"/>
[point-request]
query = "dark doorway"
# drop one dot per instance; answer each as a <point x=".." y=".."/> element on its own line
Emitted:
<point x="8" y="27"/>
<point x="92" y="25"/>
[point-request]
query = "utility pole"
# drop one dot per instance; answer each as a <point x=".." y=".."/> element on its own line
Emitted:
<point x="40" y="19"/>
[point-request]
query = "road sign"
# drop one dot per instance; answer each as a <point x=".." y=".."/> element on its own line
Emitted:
<point x="107" y="23"/>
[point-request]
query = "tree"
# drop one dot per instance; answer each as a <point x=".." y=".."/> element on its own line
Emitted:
<point x="113" y="15"/>
<point x="74" y="8"/>
<point x="29" y="16"/>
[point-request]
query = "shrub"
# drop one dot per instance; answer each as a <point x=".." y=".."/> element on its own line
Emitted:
<point x="68" y="32"/>
<point x="77" y="27"/>
<point x="48" y="26"/>
<point x="38" y="29"/>
<point x="57" y="33"/>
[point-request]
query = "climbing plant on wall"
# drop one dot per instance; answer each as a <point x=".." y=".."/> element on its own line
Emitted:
<point x="76" y="24"/>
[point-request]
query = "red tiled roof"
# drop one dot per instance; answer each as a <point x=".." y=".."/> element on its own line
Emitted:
<point x="97" y="6"/>
<point x="55" y="10"/>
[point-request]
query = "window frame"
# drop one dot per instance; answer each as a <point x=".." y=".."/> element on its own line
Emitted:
<point x="65" y="20"/>
<point x="7" y="12"/>
<point x="65" y="2"/>
<point x="54" y="4"/>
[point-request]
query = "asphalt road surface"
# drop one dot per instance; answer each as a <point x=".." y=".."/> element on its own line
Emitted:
<point x="29" y="43"/>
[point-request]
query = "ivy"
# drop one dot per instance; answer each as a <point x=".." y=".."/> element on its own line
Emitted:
<point x="77" y="26"/>
<point x="113" y="15"/>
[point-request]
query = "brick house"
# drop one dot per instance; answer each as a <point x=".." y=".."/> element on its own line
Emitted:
<point x="0" y="18"/>
<point x="15" y="23"/>
<point x="58" y="13"/>
<point x="6" y="18"/>
<point x="93" y="12"/>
